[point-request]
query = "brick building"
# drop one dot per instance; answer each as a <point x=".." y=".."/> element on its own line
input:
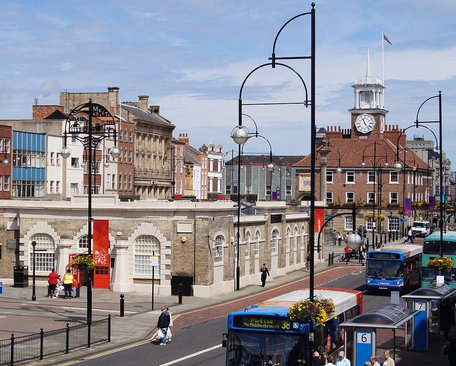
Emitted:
<point x="358" y="166"/>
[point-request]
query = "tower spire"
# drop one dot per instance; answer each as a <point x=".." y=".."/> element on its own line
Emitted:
<point x="368" y="69"/>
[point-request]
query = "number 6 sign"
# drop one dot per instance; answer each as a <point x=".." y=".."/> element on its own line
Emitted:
<point x="364" y="345"/>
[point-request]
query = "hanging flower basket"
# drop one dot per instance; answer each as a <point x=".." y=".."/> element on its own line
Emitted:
<point x="441" y="264"/>
<point x="83" y="261"/>
<point x="376" y="217"/>
<point x="305" y="311"/>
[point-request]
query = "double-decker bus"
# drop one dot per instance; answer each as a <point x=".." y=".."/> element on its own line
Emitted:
<point x="431" y="249"/>
<point x="263" y="334"/>
<point x="394" y="267"/>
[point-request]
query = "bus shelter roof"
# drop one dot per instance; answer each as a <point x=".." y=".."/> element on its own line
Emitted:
<point x="432" y="292"/>
<point x="388" y="317"/>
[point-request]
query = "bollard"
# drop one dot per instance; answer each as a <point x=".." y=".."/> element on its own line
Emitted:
<point x="122" y="305"/>
<point x="179" y="292"/>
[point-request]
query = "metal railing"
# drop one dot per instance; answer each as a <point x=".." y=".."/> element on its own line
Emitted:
<point x="43" y="344"/>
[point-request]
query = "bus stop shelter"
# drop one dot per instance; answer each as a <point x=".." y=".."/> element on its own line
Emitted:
<point x="435" y="305"/>
<point x="361" y="332"/>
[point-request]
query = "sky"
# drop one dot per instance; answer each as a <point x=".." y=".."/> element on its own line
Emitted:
<point x="192" y="56"/>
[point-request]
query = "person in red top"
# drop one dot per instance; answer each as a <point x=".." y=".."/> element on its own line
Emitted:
<point x="53" y="279"/>
<point x="347" y="254"/>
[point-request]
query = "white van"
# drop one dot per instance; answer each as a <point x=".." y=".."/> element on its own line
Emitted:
<point x="421" y="228"/>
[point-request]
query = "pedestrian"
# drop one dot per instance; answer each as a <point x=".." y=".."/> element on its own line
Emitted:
<point x="342" y="360"/>
<point x="316" y="360"/>
<point x="334" y="237"/>
<point x="347" y="253"/>
<point x="163" y="323"/>
<point x="410" y="236"/>
<point x="308" y="261"/>
<point x="339" y="239"/>
<point x="264" y="274"/>
<point x="388" y="360"/>
<point x="68" y="279"/>
<point x="373" y="361"/>
<point x="58" y="289"/>
<point x="329" y="361"/>
<point x="169" y="334"/>
<point x="52" y="281"/>
<point x="75" y="287"/>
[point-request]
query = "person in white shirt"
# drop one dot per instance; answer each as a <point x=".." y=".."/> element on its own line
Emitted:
<point x="342" y="360"/>
<point x="374" y="361"/>
<point x="388" y="360"/>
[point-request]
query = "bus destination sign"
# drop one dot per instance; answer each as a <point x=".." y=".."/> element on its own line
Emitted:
<point x="384" y="255"/>
<point x="262" y="322"/>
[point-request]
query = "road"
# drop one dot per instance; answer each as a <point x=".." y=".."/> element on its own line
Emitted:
<point x="200" y="344"/>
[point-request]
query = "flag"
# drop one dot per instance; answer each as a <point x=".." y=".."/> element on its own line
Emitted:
<point x="387" y="40"/>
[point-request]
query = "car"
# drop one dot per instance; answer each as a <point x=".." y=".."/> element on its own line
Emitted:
<point x="421" y="228"/>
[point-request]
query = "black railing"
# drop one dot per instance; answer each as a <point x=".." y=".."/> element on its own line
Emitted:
<point x="39" y="345"/>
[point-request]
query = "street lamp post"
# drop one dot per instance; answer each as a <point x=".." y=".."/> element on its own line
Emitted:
<point x="306" y="102"/>
<point x="423" y="124"/>
<point x="240" y="135"/>
<point x="374" y="157"/>
<point x="90" y="124"/>
<point x="33" y="273"/>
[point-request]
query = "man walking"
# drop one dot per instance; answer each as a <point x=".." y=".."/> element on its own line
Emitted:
<point x="264" y="274"/>
<point x="163" y="323"/>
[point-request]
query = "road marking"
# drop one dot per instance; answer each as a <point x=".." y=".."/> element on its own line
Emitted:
<point x="191" y="355"/>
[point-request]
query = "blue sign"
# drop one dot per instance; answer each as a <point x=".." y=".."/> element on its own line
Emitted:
<point x="420" y="325"/>
<point x="1" y="288"/>
<point x="364" y="346"/>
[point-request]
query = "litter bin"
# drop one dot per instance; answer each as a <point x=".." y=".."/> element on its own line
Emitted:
<point x="187" y="285"/>
<point x="21" y="276"/>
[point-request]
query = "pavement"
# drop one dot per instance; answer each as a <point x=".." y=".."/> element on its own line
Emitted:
<point x="21" y="316"/>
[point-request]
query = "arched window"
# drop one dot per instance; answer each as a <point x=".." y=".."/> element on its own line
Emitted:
<point x="303" y="231"/>
<point x="44" y="253"/>
<point x="287" y="241"/>
<point x="144" y="247"/>
<point x="257" y="244"/>
<point x="218" y="249"/>
<point x="247" y="245"/>
<point x="274" y="241"/>
<point x="295" y="240"/>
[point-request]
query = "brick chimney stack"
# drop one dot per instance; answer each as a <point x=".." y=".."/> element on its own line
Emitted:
<point x="113" y="99"/>
<point x="144" y="102"/>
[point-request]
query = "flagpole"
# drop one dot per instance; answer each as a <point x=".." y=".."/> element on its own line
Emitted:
<point x="383" y="59"/>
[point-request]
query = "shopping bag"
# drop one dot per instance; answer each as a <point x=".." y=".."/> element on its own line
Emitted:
<point x="159" y="334"/>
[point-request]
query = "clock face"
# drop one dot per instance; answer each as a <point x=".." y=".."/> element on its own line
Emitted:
<point x="364" y="123"/>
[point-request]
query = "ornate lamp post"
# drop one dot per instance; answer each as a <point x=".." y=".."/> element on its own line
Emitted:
<point x="375" y="164"/>
<point x="242" y="132"/>
<point x="90" y="124"/>
<point x="423" y="124"/>
<point x="33" y="275"/>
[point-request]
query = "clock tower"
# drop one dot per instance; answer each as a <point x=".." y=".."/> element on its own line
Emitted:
<point x="368" y="114"/>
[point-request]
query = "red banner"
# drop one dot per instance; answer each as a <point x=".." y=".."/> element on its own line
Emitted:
<point x="100" y="250"/>
<point x="319" y="219"/>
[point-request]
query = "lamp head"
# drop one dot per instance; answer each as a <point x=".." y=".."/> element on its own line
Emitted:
<point x="270" y="166"/>
<point x="240" y="135"/>
<point x="65" y="152"/>
<point x="339" y="169"/>
<point x="397" y="166"/>
<point x="115" y="152"/>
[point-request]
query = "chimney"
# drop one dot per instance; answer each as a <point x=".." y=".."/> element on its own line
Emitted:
<point x="184" y="138"/>
<point x="113" y="99"/>
<point x="144" y="102"/>
<point x="154" y="109"/>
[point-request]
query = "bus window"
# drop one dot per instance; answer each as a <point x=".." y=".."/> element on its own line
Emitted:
<point x="449" y="248"/>
<point x="431" y="247"/>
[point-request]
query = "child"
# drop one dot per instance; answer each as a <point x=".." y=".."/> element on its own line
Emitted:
<point x="58" y="289"/>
